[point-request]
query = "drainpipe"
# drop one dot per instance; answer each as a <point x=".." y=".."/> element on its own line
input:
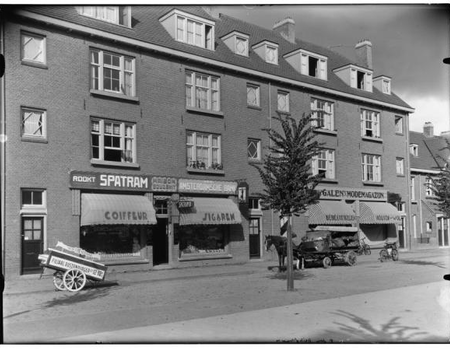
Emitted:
<point x="408" y="208"/>
<point x="270" y="143"/>
<point x="2" y="146"/>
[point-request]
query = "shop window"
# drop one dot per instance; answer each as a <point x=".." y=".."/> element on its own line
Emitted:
<point x="322" y="114"/>
<point x="254" y="149"/>
<point x="203" y="151"/>
<point x="283" y="101"/>
<point x="112" y="73"/>
<point x="371" y="168"/>
<point x="370" y="123"/>
<point x="253" y="95"/>
<point x="34" y="124"/>
<point x="202" y="91"/>
<point x="113" y="141"/>
<point x="203" y="240"/>
<point x="33" y="48"/>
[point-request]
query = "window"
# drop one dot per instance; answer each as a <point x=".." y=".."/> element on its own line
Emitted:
<point x="113" y="14"/>
<point x="254" y="203"/>
<point x="195" y="32"/>
<point x="33" y="48"/>
<point x="398" y="124"/>
<point x="429" y="226"/>
<point x="203" y="151"/>
<point x="283" y="101"/>
<point x="313" y="65"/>
<point x="429" y="188"/>
<point x="202" y="91"/>
<point x="370" y="123"/>
<point x="203" y="239"/>
<point x="267" y="51"/>
<point x="253" y="95"/>
<point x="32" y="198"/>
<point x="400" y="166"/>
<point x="237" y="42"/>
<point x="413" y="188"/>
<point x="322" y="114"/>
<point x="241" y="45"/>
<point x="254" y="149"/>
<point x="34" y="124"/>
<point x="113" y="141"/>
<point x="323" y="163"/>
<point x="414" y="223"/>
<point x="386" y="86"/>
<point x="414" y="149"/>
<point x="32" y="228"/>
<point x="112" y="72"/>
<point x="371" y="168"/>
<point x="401" y="207"/>
<point x="271" y="54"/>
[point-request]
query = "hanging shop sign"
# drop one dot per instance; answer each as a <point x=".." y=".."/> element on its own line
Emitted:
<point x="185" y="203"/>
<point x="338" y="193"/>
<point x="86" y="180"/>
<point x="207" y="186"/>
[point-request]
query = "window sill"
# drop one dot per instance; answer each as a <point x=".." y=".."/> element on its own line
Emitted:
<point x="34" y="64"/>
<point x="283" y="112"/>
<point x="369" y="183"/>
<point x="204" y="111"/>
<point x="326" y="131"/>
<point x="258" y="108"/>
<point x="373" y="139"/>
<point x="34" y="139"/>
<point x="113" y="95"/>
<point x="205" y="171"/>
<point x="332" y="181"/>
<point x="205" y="256"/>
<point x="106" y="163"/>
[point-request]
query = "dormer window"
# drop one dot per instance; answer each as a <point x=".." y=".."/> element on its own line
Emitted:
<point x="114" y="14"/>
<point x="383" y="84"/>
<point x="267" y="51"/>
<point x="357" y="77"/>
<point x="189" y="29"/>
<point x="308" y="63"/>
<point x="237" y="42"/>
<point x="414" y="149"/>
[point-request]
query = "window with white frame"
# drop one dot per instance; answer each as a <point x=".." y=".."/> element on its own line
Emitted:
<point x="113" y="14"/>
<point x="33" y="48"/>
<point x="429" y="188"/>
<point x="386" y="86"/>
<point x="202" y="91"/>
<point x="253" y="98"/>
<point x="414" y="149"/>
<point x="322" y="114"/>
<point x="32" y="198"/>
<point x="400" y="166"/>
<point x="371" y="168"/>
<point x="34" y="123"/>
<point x="113" y="141"/>
<point x="413" y="188"/>
<point x="254" y="149"/>
<point x="195" y="31"/>
<point x="370" y="123"/>
<point x="324" y="163"/>
<point x="241" y="45"/>
<point x="283" y="101"/>
<point x="271" y="54"/>
<point x="398" y="124"/>
<point x="429" y="226"/>
<point x="112" y="72"/>
<point x="203" y="151"/>
<point x="313" y="65"/>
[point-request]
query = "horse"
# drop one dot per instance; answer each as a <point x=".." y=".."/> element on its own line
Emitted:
<point x="280" y="244"/>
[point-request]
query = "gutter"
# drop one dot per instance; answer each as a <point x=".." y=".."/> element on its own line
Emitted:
<point x="3" y="139"/>
<point x="192" y="57"/>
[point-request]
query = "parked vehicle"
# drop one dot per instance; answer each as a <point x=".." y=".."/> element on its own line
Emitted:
<point x="389" y="252"/>
<point x="364" y="248"/>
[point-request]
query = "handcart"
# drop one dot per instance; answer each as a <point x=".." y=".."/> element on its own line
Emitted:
<point x="327" y="246"/>
<point x="73" y="269"/>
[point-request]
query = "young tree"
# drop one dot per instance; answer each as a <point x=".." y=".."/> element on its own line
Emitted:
<point x="287" y="176"/>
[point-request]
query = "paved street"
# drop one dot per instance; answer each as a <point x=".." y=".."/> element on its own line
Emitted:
<point x="404" y="301"/>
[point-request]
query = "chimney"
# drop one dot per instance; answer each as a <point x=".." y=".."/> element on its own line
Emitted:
<point x="364" y="53"/>
<point x="428" y="129"/>
<point x="286" y="28"/>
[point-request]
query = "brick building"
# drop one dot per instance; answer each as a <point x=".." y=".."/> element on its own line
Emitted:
<point x="131" y="131"/>
<point x="429" y="228"/>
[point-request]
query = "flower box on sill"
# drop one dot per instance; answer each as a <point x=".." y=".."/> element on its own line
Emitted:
<point x="201" y="167"/>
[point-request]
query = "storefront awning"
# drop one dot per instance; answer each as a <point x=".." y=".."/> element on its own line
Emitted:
<point x="211" y="211"/>
<point x="109" y="209"/>
<point x="331" y="213"/>
<point x="379" y="213"/>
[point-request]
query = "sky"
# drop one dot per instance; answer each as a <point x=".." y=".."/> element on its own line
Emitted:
<point x="409" y="43"/>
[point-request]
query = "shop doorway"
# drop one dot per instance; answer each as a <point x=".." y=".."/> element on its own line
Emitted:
<point x="443" y="232"/>
<point x="32" y="244"/>
<point x="255" y="238"/>
<point x="161" y="242"/>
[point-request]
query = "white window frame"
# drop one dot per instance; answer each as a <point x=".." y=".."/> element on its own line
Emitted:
<point x="386" y="86"/>
<point x="127" y="143"/>
<point x="31" y="207"/>
<point x="325" y="109"/>
<point x="120" y="15"/>
<point x="194" y="31"/>
<point x="371" y="168"/>
<point x="429" y="188"/>
<point x="241" y="41"/>
<point x="370" y="123"/>
<point x="321" y="68"/>
<point x="414" y="149"/>
<point x="283" y="101"/>
<point x="40" y="43"/>
<point x="192" y="147"/>
<point x="257" y="143"/>
<point x="413" y="188"/>
<point x="324" y="163"/>
<point x="197" y="94"/>
<point x="398" y="124"/>
<point x="126" y="70"/>
<point x="271" y="54"/>
<point x="253" y="102"/>
<point x="40" y="124"/>
<point x="400" y="166"/>
<point x="367" y="81"/>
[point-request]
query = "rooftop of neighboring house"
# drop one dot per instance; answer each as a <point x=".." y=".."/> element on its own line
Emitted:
<point x="146" y="27"/>
<point x="430" y="150"/>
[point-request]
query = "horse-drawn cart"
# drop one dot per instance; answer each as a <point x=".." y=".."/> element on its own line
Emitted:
<point x="73" y="269"/>
<point x="327" y="246"/>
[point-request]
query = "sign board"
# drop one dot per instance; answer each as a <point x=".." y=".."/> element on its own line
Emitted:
<point x="207" y="186"/>
<point x="338" y="193"/>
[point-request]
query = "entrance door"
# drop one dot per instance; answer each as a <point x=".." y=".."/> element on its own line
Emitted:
<point x="160" y="242"/>
<point x="32" y="244"/>
<point x="255" y="238"/>
<point x="443" y="233"/>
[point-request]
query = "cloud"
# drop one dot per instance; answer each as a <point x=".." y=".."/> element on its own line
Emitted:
<point x="429" y="109"/>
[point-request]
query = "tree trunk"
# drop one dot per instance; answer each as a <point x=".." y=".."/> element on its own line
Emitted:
<point x="289" y="255"/>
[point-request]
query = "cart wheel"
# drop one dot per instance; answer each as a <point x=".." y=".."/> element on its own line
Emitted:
<point x="394" y="254"/>
<point x="74" y="280"/>
<point x="350" y="258"/>
<point x="326" y="262"/>
<point x="384" y="255"/>
<point x="58" y="280"/>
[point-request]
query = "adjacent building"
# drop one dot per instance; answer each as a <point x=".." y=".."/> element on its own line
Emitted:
<point x="132" y="131"/>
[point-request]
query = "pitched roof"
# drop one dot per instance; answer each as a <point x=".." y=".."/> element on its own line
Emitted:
<point x="432" y="151"/>
<point x="147" y="28"/>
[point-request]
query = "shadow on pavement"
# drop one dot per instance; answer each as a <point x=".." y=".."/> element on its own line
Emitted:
<point x="422" y="263"/>
<point x="298" y="275"/>
<point x="89" y="293"/>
